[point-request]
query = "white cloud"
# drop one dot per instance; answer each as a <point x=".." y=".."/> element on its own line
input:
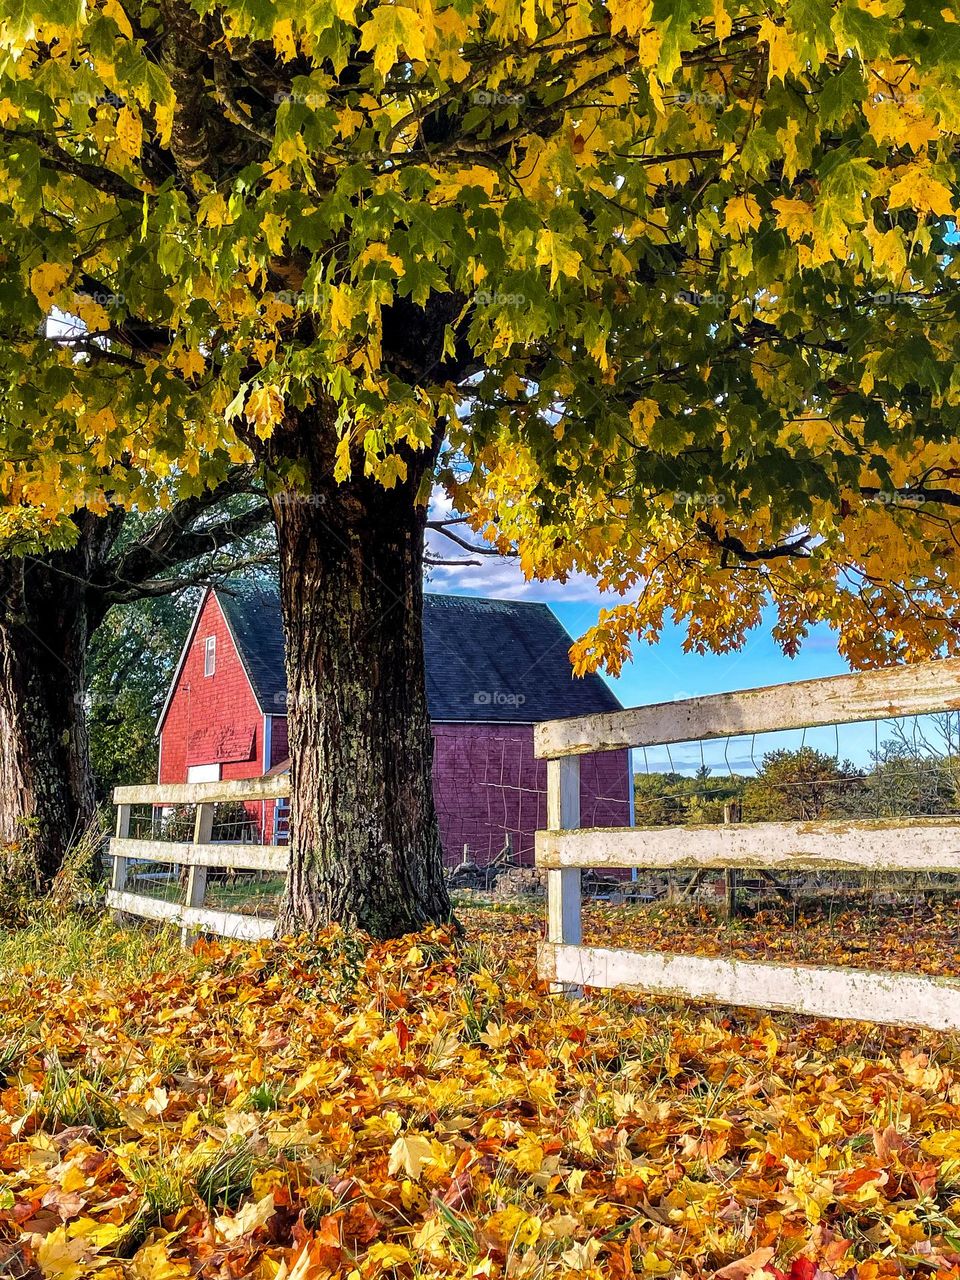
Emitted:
<point x="499" y="576"/>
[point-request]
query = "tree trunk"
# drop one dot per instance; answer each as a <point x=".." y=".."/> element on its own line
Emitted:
<point x="46" y="784"/>
<point x="365" y="843"/>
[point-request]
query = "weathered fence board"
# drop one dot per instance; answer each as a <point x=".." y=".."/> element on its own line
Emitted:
<point x="903" y="844"/>
<point x="563" y="886"/>
<point x="242" y="857"/>
<point x="828" y="992"/>
<point x="870" y="695"/>
<point x="198" y="855"/>
<point x="174" y="793"/>
<point x="228" y="924"/>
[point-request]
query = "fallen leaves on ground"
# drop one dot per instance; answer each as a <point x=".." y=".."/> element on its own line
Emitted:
<point x="425" y="1109"/>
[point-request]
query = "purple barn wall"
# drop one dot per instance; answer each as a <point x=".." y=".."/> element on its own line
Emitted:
<point x="487" y="782"/>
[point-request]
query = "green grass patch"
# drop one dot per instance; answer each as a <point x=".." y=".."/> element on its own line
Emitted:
<point x="78" y="944"/>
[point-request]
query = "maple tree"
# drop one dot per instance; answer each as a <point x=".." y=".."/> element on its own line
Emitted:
<point x="660" y="291"/>
<point x="52" y="603"/>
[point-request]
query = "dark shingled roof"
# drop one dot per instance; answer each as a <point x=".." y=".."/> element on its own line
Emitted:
<point x="252" y="611"/>
<point x="503" y="660"/>
<point x="487" y="660"/>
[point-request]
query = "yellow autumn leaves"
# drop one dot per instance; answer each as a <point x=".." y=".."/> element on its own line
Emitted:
<point x="293" y="1112"/>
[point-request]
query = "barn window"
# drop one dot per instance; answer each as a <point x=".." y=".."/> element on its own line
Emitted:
<point x="209" y="655"/>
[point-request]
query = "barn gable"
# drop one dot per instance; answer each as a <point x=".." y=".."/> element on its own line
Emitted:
<point x="210" y="720"/>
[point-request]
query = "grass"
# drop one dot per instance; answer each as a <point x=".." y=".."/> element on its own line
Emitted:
<point x="78" y="944"/>
<point x="245" y="894"/>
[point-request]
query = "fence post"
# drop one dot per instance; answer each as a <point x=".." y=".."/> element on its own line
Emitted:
<point x="118" y="876"/>
<point x="197" y="876"/>
<point x="731" y="813"/>
<point x="563" y="886"/>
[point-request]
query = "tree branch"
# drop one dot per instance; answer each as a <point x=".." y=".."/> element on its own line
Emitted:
<point x="796" y="550"/>
<point x="174" y="539"/>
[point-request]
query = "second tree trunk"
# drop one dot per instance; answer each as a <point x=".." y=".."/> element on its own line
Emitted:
<point x="46" y="786"/>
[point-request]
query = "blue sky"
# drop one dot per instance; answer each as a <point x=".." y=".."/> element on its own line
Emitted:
<point x="663" y="672"/>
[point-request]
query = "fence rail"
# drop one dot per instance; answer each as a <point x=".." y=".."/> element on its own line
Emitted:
<point x="199" y="855"/>
<point x="802" y="704"/>
<point x="929" y="845"/>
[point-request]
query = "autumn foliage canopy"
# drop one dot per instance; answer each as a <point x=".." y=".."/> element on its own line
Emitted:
<point x="673" y="282"/>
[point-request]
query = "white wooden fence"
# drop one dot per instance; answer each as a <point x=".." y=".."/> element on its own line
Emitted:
<point x="198" y="854"/>
<point x="891" y="845"/>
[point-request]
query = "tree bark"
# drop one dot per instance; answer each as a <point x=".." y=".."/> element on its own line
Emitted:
<point x="46" y="783"/>
<point x="365" y="842"/>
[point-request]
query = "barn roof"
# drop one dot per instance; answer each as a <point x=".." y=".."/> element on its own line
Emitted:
<point x="503" y="660"/>
<point x="487" y="660"/>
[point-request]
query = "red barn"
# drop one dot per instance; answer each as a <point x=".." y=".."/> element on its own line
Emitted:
<point x="494" y="668"/>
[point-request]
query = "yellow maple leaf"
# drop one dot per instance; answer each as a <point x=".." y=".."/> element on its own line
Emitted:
<point x="264" y="409"/>
<point x="512" y="1227"/>
<point x="343" y="308"/>
<point x="150" y="1262"/>
<point x="378" y="252"/>
<point x="559" y="255"/>
<point x="722" y="22"/>
<point x="409" y="1154"/>
<point x="163" y="113"/>
<point x="130" y="132"/>
<point x="284" y="40"/>
<point x="190" y="362"/>
<point x="95" y="317"/>
<point x="101" y="424"/>
<point x="274" y="228"/>
<point x="781" y="51"/>
<point x="528" y="1156"/>
<point x="61" y="1257"/>
<point x="944" y="1145"/>
<point x="741" y="214"/>
<point x="392" y="29"/>
<point x="919" y="189"/>
<point x="386" y="1255"/>
<point x="245" y="1220"/>
<point x="46" y="281"/>
<point x="794" y="216"/>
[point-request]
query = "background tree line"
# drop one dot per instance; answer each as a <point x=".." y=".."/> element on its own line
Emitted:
<point x="908" y="775"/>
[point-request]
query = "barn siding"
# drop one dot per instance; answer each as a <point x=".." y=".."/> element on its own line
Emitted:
<point x="488" y="783"/>
<point x="201" y="702"/>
